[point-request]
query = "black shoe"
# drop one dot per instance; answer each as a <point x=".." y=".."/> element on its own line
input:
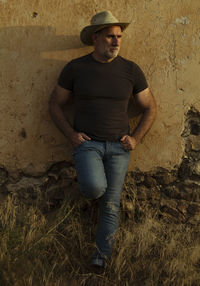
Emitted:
<point x="97" y="269"/>
<point x="98" y="264"/>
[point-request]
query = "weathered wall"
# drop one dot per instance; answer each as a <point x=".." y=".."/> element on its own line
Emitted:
<point x="37" y="38"/>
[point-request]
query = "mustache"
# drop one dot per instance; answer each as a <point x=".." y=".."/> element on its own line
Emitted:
<point x="114" y="48"/>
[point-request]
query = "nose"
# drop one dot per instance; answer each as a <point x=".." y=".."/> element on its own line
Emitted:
<point x="116" y="41"/>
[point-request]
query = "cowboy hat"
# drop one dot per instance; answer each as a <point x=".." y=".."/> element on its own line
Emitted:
<point x="98" y="22"/>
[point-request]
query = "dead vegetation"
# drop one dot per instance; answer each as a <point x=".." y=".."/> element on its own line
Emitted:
<point x="53" y="249"/>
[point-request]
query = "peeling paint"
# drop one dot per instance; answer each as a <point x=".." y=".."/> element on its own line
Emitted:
<point x="182" y="20"/>
<point x="34" y="14"/>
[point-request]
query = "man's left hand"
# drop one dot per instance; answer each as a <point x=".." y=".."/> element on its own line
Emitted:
<point x="128" y="142"/>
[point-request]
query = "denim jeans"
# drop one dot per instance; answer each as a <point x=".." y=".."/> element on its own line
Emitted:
<point x="101" y="168"/>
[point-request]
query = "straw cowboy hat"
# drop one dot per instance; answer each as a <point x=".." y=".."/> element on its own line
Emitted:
<point x="98" y="22"/>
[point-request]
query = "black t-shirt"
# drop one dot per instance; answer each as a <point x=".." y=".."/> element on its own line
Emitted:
<point x="102" y="92"/>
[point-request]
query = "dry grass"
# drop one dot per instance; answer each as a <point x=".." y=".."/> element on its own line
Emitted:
<point x="54" y="250"/>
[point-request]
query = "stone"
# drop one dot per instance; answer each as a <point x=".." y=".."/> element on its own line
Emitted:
<point x="173" y="210"/>
<point x="150" y="181"/>
<point x="165" y="178"/>
<point x="27" y="187"/>
<point x="142" y="192"/>
<point x="3" y="176"/>
<point x="53" y="175"/>
<point x="192" y="188"/>
<point x="153" y="194"/>
<point x="184" y="169"/>
<point x="195" y="126"/>
<point x="182" y="206"/>
<point x="171" y="192"/>
<point x="194" y="156"/>
<point x="192" y="184"/>
<point x="194" y="142"/>
<point x="138" y="177"/>
<point x="193" y="208"/>
<point x="69" y="173"/>
<point x="195" y="168"/>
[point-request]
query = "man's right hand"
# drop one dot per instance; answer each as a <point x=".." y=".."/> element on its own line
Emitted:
<point x="77" y="138"/>
<point x="58" y="99"/>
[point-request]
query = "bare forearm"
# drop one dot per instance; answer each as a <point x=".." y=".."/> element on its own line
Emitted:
<point x="148" y="104"/>
<point x="60" y="120"/>
<point x="144" y="124"/>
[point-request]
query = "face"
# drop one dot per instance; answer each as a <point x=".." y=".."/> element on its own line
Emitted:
<point x="107" y="42"/>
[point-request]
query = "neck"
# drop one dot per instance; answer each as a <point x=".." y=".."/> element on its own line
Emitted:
<point x="100" y="58"/>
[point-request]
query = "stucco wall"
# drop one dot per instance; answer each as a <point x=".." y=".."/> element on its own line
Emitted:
<point x="38" y="37"/>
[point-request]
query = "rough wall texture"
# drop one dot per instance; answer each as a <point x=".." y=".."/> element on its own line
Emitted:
<point x="173" y="195"/>
<point x="38" y="37"/>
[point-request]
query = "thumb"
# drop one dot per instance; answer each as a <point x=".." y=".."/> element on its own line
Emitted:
<point x="123" y="138"/>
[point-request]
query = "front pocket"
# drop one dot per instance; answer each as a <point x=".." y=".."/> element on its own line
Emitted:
<point x="78" y="147"/>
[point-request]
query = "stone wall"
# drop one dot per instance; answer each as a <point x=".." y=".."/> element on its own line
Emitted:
<point x="174" y="194"/>
<point x="38" y="38"/>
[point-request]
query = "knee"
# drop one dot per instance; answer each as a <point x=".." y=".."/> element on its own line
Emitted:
<point x="92" y="191"/>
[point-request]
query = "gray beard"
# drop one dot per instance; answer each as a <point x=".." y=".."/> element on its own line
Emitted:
<point x="111" y="55"/>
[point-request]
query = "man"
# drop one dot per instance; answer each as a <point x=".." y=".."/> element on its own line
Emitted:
<point x="102" y="83"/>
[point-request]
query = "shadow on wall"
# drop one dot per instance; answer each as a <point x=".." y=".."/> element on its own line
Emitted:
<point x="31" y="59"/>
<point x="27" y="78"/>
<point x="22" y="49"/>
<point x="38" y="38"/>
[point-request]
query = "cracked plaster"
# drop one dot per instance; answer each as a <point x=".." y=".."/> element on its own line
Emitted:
<point x="38" y="38"/>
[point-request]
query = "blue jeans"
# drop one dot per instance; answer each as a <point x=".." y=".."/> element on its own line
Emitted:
<point x="101" y="168"/>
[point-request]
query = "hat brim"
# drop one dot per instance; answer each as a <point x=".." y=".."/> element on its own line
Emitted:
<point x="87" y="32"/>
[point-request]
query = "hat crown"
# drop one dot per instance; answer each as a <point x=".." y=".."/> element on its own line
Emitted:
<point x="105" y="17"/>
<point x="100" y="21"/>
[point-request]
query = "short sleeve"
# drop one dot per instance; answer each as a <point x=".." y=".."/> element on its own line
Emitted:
<point x="140" y="80"/>
<point x="65" y="79"/>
